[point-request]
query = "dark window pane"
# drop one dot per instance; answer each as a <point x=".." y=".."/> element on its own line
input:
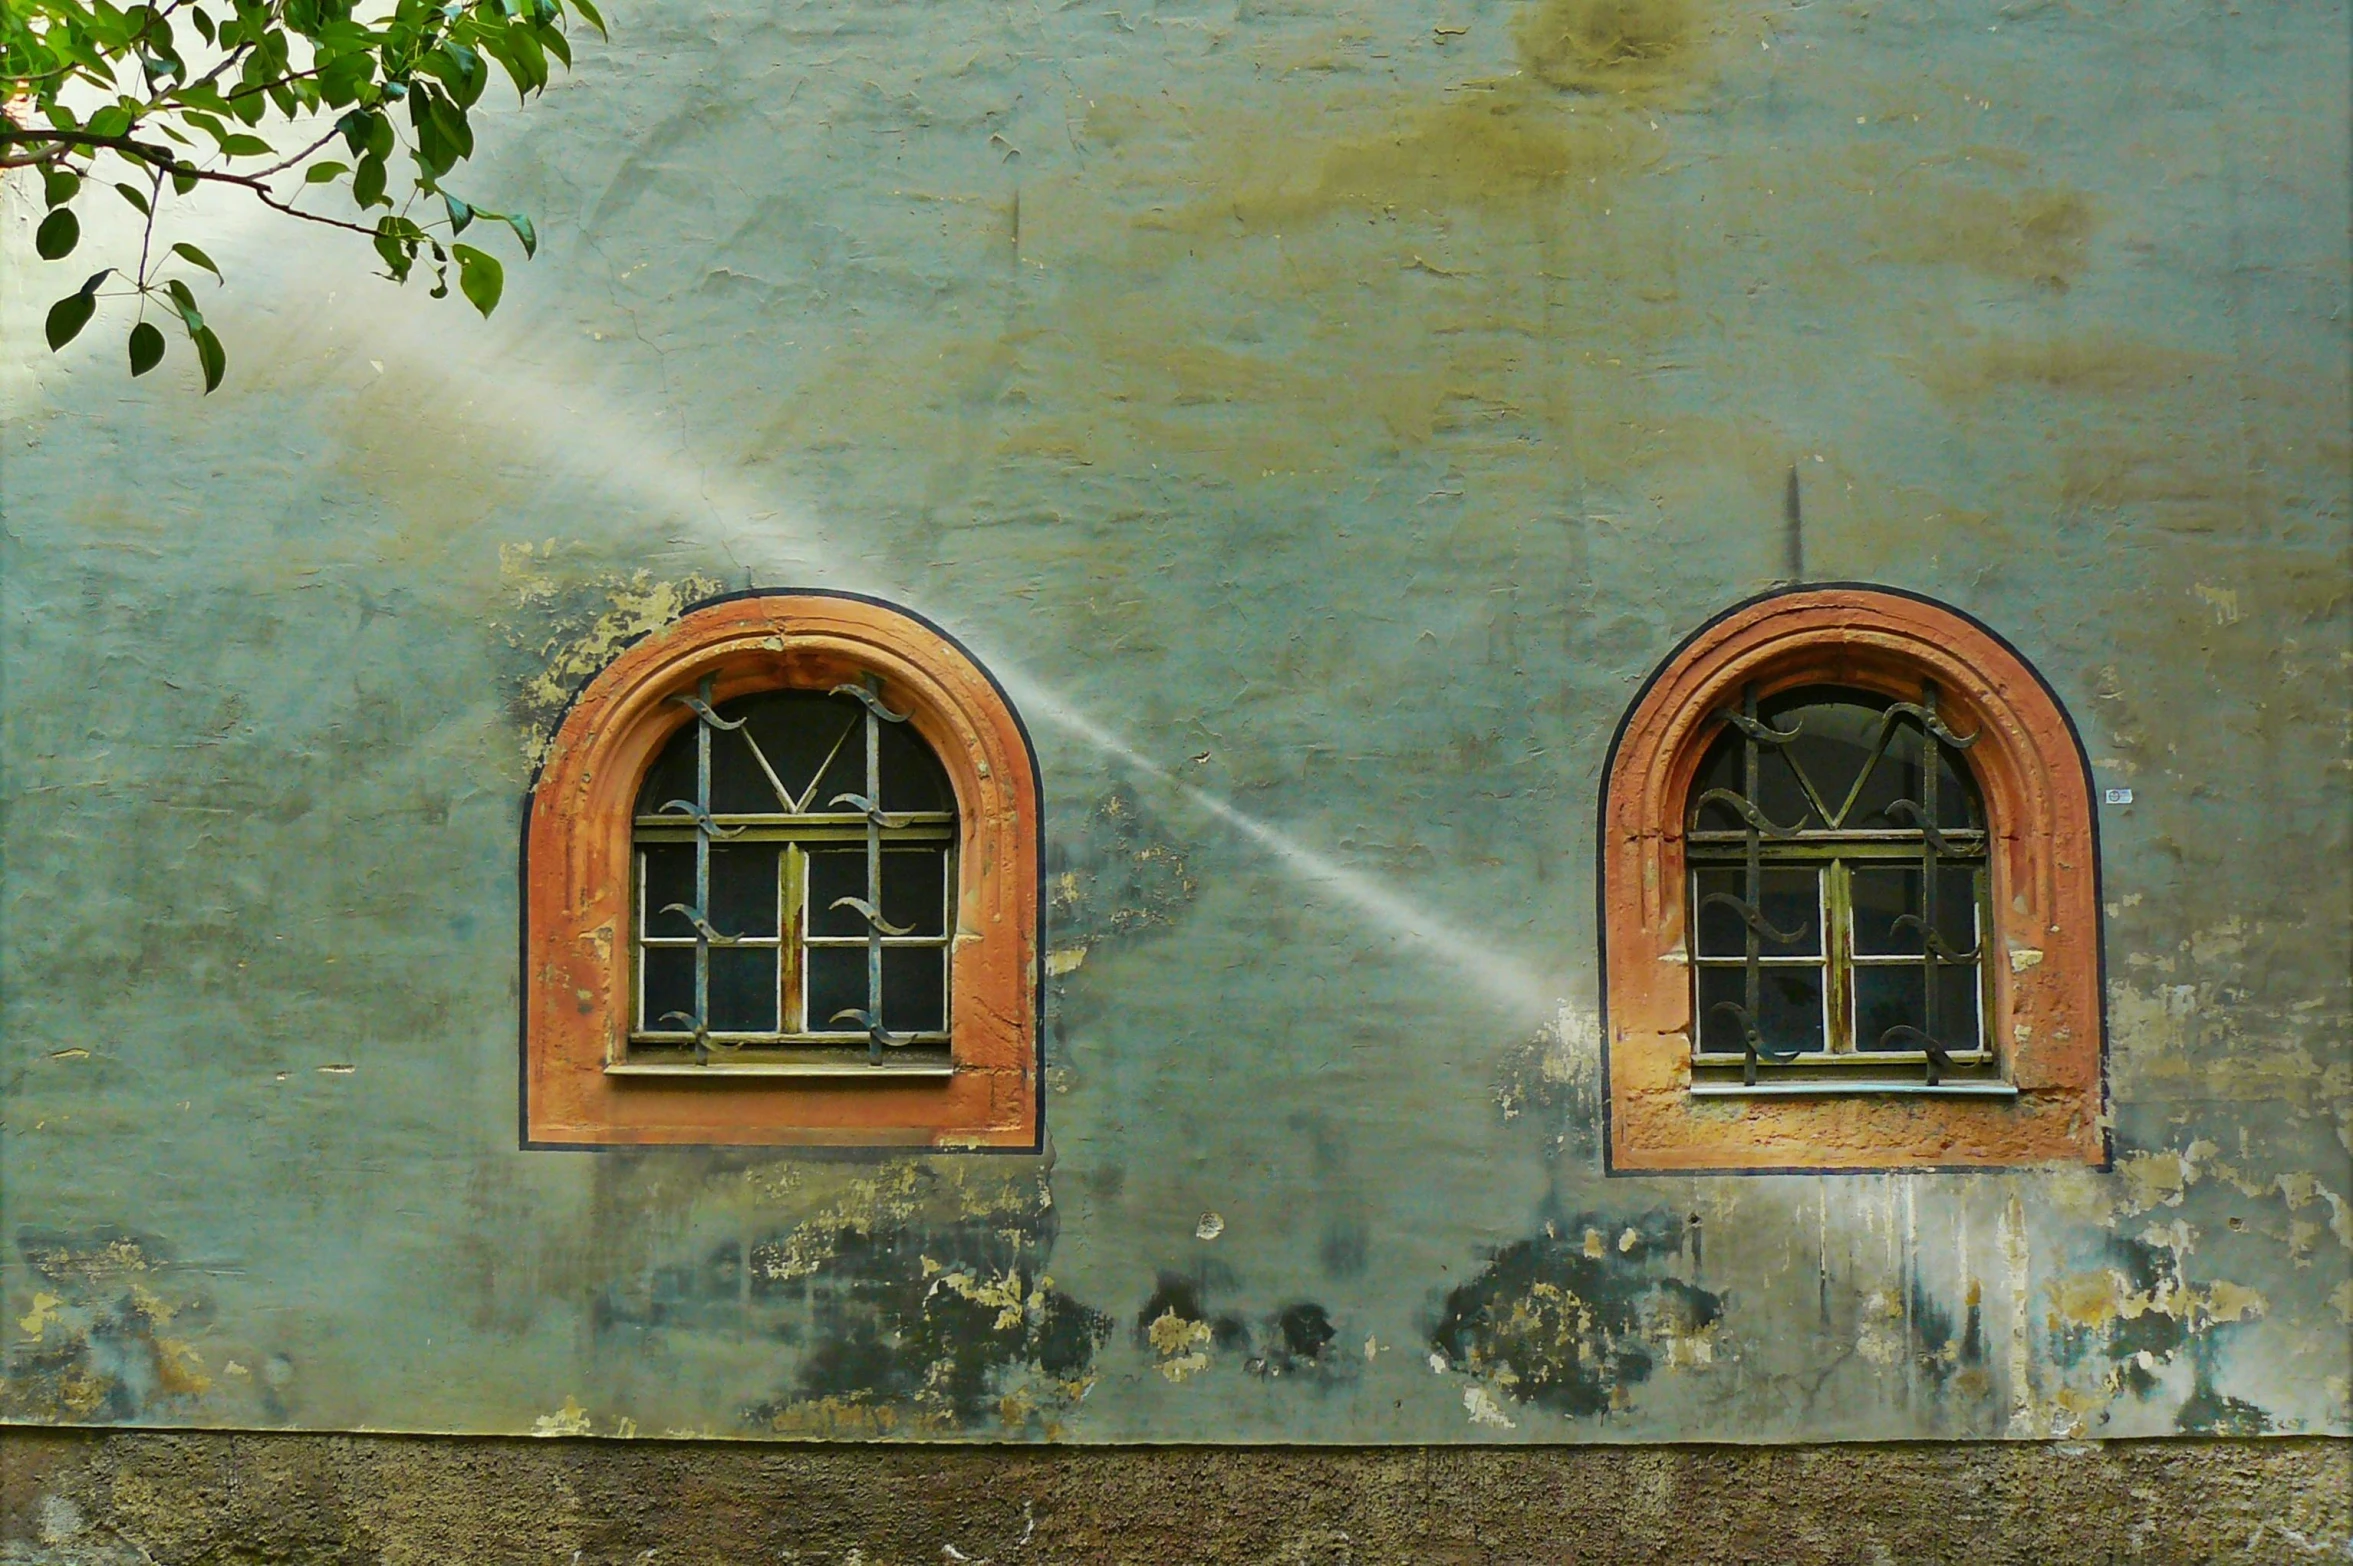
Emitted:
<point x="1791" y="904"/>
<point x="1836" y="731"/>
<point x="1777" y="791"/>
<point x="668" y="979"/>
<point x="1957" y="994"/>
<point x="1879" y="896"/>
<point x="743" y="989"/>
<point x="915" y="889"/>
<point x="1720" y="770"/>
<point x="669" y="878"/>
<point x="743" y="888"/>
<point x="1956" y="792"/>
<point x="1885" y="998"/>
<point x="914" y="989"/>
<point x="672" y="774"/>
<point x="1956" y="907"/>
<point x="1789" y="1006"/>
<point x="799" y="732"/>
<point x="912" y="778"/>
<point x="796" y="731"/>
<point x="837" y="982"/>
<point x="836" y="873"/>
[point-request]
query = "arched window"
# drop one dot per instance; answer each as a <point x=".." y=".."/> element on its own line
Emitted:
<point x="782" y="888"/>
<point x="1850" y="903"/>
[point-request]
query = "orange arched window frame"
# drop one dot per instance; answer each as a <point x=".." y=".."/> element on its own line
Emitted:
<point x="2045" y="1016"/>
<point x="577" y="897"/>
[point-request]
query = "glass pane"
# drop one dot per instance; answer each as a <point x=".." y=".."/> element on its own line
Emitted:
<point x="796" y="731"/>
<point x="1956" y="793"/>
<point x="1789" y="1002"/>
<point x="1957" y="996"/>
<point x="836" y="873"/>
<point x="672" y="774"/>
<point x="668" y="979"/>
<point x="914" y="989"/>
<point x="743" y="989"/>
<point x="915" y="889"/>
<point x="837" y="982"/>
<point x="1956" y="907"/>
<point x="1792" y="905"/>
<point x="668" y="879"/>
<point x="912" y="778"/>
<point x="1836" y="730"/>
<point x="799" y="732"/>
<point x="1886" y="998"/>
<point x="743" y="888"/>
<point x="1880" y="895"/>
<point x="1720" y="769"/>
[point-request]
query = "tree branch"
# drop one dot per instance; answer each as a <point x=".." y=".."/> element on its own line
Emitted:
<point x="161" y="161"/>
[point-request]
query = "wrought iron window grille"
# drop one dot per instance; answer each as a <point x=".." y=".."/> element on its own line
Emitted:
<point x="1837" y="935"/>
<point x="795" y="904"/>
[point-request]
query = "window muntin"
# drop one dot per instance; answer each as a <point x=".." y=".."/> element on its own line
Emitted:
<point x="1839" y="888"/>
<point x="794" y="887"/>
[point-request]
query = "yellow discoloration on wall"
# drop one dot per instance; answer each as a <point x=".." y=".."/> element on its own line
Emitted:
<point x="36" y="1321"/>
<point x="1180" y="1342"/>
<point x="1623" y="46"/>
<point x="2098" y="1300"/>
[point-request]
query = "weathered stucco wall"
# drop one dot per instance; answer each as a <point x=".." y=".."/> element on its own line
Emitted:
<point x="1322" y="418"/>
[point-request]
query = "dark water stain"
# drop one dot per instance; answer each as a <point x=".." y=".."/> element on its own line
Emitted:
<point x="2139" y="1344"/>
<point x="1571" y="1320"/>
<point x="946" y="1325"/>
<point x="911" y="1297"/>
<point x="2210" y="1412"/>
<point x="1116" y="870"/>
<point x="1297" y="1340"/>
<point x="1185" y="1334"/>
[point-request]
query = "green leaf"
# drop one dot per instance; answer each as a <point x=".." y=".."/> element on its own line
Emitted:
<point x="190" y="253"/>
<point x="367" y="186"/>
<point x="245" y="147"/>
<point x="113" y="120"/>
<point x="68" y="316"/>
<point x="185" y="303"/>
<point x="146" y="347"/>
<point x="524" y="232"/>
<point x="459" y="213"/>
<point x="135" y="196"/>
<point x="480" y="277"/>
<point x="594" y="19"/>
<point x="321" y="173"/>
<point x="203" y="25"/>
<point x="210" y="356"/>
<point x="60" y="231"/>
<point x="183" y="178"/>
<point x="58" y="185"/>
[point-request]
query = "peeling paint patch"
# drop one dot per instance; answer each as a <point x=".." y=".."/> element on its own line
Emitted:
<point x="569" y="1420"/>
<point x="564" y="621"/>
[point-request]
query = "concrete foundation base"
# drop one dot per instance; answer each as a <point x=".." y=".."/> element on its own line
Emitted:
<point x="99" y="1499"/>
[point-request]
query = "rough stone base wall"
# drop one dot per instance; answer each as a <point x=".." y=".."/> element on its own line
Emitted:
<point x="75" y="1499"/>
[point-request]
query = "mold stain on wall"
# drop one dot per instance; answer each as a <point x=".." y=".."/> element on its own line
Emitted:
<point x="911" y="1298"/>
<point x="1574" y="1320"/>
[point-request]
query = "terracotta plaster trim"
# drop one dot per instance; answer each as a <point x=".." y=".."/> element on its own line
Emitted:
<point x="2045" y="951"/>
<point x="576" y="951"/>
